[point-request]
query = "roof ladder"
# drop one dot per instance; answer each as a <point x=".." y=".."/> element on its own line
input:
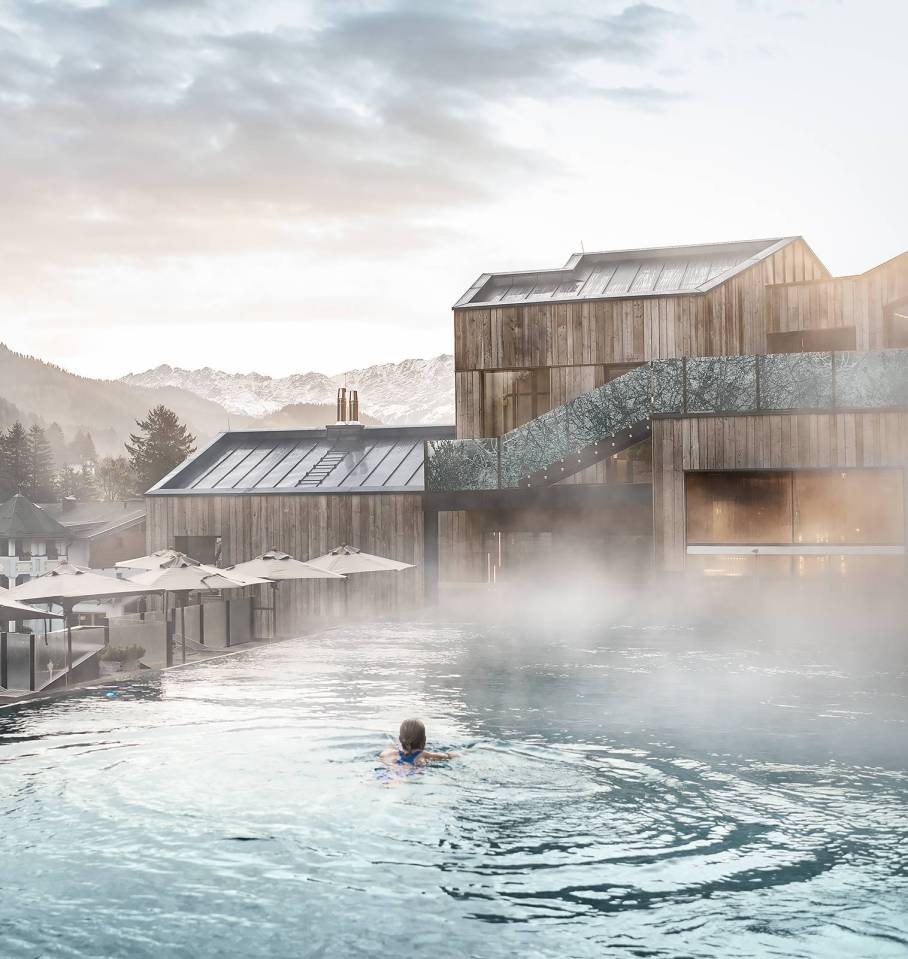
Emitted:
<point x="320" y="471"/>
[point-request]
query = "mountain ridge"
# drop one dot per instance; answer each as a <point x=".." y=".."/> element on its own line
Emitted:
<point x="410" y="391"/>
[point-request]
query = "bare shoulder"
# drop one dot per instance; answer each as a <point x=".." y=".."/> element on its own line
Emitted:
<point x="388" y="755"/>
<point x="428" y="757"/>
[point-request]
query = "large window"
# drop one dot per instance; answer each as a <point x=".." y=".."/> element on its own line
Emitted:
<point x="512" y="398"/>
<point x="806" y="507"/>
<point x="739" y="508"/>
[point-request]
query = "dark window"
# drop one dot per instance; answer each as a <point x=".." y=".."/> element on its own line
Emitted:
<point x="816" y="507"/>
<point x="739" y="508"/>
<point x="206" y="549"/>
<point x="812" y="341"/>
<point x="50" y="550"/>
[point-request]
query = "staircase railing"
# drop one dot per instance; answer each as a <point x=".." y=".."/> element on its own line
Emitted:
<point x="616" y="415"/>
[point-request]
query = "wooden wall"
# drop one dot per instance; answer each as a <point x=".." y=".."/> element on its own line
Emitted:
<point x="731" y="319"/>
<point x="760" y="442"/>
<point x="106" y="551"/>
<point x="858" y="301"/>
<point x="307" y="525"/>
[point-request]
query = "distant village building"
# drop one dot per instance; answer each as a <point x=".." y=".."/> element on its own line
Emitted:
<point x="31" y="541"/>
<point x="100" y="533"/>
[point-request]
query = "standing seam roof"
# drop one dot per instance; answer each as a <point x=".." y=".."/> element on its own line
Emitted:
<point x="659" y="271"/>
<point x="337" y="459"/>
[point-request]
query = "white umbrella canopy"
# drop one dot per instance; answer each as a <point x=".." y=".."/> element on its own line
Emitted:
<point x="179" y="579"/>
<point x="348" y="559"/>
<point x="10" y="609"/>
<point x="275" y="565"/>
<point x="67" y="582"/>
<point x="157" y="559"/>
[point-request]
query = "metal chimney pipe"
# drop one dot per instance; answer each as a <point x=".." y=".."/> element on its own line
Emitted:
<point x="341" y="404"/>
<point x="354" y="406"/>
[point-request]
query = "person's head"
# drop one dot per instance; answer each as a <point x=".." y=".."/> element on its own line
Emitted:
<point x="412" y="735"/>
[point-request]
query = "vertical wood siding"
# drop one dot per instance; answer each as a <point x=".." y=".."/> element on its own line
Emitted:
<point x="306" y="526"/>
<point x="573" y="338"/>
<point x="760" y="442"/>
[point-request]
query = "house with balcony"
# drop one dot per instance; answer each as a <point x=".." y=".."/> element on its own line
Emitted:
<point x="719" y="409"/>
<point x="31" y="541"/>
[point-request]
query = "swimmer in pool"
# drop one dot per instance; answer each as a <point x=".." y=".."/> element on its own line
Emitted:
<point x="411" y="749"/>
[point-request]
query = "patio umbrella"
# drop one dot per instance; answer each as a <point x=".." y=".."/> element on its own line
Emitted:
<point x="348" y="559"/>
<point x="157" y="559"/>
<point x="66" y="585"/>
<point x="10" y="609"/>
<point x="276" y="566"/>
<point x="186" y="579"/>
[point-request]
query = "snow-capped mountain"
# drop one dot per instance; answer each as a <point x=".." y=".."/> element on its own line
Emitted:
<point x="412" y="391"/>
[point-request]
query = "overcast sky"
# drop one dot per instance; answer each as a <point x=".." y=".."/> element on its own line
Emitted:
<point x="284" y="186"/>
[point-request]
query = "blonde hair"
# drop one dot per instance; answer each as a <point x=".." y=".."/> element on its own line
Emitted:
<point x="412" y="735"/>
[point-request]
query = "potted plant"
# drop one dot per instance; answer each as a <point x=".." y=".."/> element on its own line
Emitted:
<point x="117" y="659"/>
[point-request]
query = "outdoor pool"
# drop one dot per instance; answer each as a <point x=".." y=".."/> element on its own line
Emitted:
<point x="630" y="792"/>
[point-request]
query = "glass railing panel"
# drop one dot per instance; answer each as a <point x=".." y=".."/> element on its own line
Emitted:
<point x="795" y="381"/>
<point x="864" y="380"/>
<point x="50" y="655"/>
<point x="534" y="446"/>
<point x="462" y="464"/>
<point x="666" y="386"/>
<point x="721" y="384"/>
<point x="610" y="409"/>
<point x="18" y="660"/>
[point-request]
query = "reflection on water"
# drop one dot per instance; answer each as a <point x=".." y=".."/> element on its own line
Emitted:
<point x="644" y="792"/>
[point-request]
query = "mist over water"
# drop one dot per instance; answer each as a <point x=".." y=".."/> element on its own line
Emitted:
<point x="643" y="777"/>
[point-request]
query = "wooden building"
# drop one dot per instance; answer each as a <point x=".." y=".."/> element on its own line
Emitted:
<point x="303" y="492"/>
<point x="532" y="346"/>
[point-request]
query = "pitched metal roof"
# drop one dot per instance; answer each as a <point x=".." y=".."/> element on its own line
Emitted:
<point x="337" y="459"/>
<point x="20" y="517"/>
<point x="95" y="517"/>
<point x="659" y="271"/>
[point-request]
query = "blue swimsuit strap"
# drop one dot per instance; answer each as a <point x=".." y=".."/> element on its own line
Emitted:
<point x="407" y="758"/>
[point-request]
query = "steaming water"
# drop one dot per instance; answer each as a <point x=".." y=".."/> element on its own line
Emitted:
<point x="644" y="793"/>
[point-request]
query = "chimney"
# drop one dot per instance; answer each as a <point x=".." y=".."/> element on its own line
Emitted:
<point x="354" y="406"/>
<point x="342" y="404"/>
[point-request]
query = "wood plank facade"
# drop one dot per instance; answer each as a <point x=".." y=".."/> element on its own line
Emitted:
<point x="871" y="439"/>
<point x="787" y="301"/>
<point x="573" y="338"/>
<point x="306" y="525"/>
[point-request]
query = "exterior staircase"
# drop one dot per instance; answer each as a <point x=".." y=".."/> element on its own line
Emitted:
<point x="619" y="414"/>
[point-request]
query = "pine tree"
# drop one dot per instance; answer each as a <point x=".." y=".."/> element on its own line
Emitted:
<point x="14" y="461"/>
<point x="57" y="442"/>
<point x="76" y="482"/>
<point x="82" y="448"/>
<point x="161" y="446"/>
<point x="40" y="467"/>
<point x="115" y="479"/>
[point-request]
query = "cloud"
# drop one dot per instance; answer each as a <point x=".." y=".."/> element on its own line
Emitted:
<point x="135" y="127"/>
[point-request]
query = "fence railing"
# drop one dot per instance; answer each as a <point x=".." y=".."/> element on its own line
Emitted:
<point x="778" y="382"/>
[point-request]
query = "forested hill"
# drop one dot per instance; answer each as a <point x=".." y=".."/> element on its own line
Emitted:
<point x="37" y="392"/>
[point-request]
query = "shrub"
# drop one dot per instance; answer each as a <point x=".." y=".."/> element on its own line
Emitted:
<point x="122" y="654"/>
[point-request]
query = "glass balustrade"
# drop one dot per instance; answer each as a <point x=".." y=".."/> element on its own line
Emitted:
<point x="677" y="387"/>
